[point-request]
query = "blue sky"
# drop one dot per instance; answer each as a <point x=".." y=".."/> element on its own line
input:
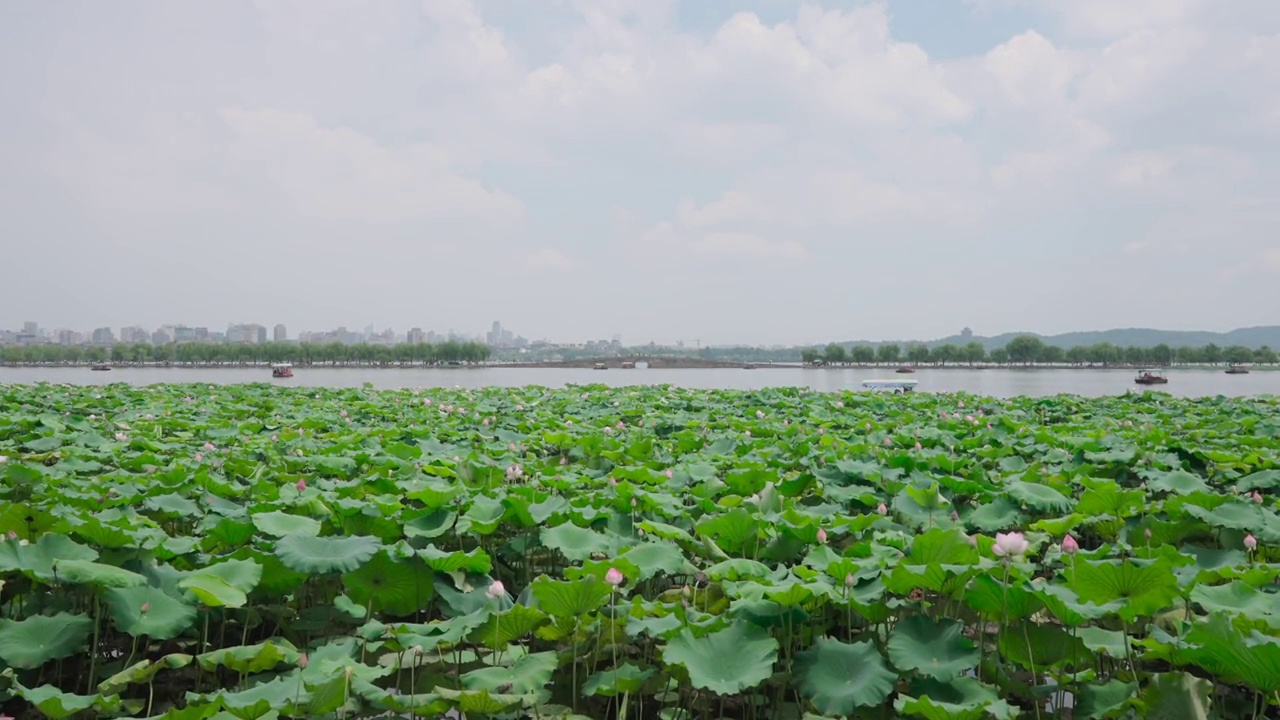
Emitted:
<point x="762" y="171"/>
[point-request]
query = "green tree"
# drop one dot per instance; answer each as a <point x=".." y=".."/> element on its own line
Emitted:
<point x="974" y="352"/>
<point x="863" y="354"/>
<point x="834" y="354"/>
<point x="1025" y="349"/>
<point x="888" y="353"/>
<point x="944" y="354"/>
<point x="810" y="355"/>
<point x="918" y="353"/>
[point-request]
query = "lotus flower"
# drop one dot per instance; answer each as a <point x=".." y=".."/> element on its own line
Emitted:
<point x="888" y="440"/>
<point x="882" y="509"/>
<point x="1010" y="545"/>
<point x="13" y="535"/>
<point x="121" y="437"/>
<point x="208" y="447"/>
<point x="496" y="591"/>
<point x="485" y="421"/>
<point x="519" y="408"/>
<point x="199" y="457"/>
<point x="614" y="577"/>
<point x="426" y="401"/>
<point x="1250" y="542"/>
<point x="303" y="661"/>
<point x="613" y="481"/>
<point x="275" y="438"/>
<point x="564" y="459"/>
<point x="1257" y="496"/>
<point x="4" y="459"/>
<point x="748" y="433"/>
<point x="608" y="430"/>
<point x="569" y="423"/>
<point x="1069" y="545"/>
<point x="513" y="473"/>
<point x="343" y="413"/>
<point x="302" y="484"/>
<point x="621" y="425"/>
<point x="146" y="607"/>
<point x="670" y="473"/>
<point x="759" y="414"/>
<point x="848" y="580"/>
<point x="919" y="446"/>
<point x="839" y="403"/>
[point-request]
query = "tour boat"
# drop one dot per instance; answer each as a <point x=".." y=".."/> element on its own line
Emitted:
<point x="905" y="370"/>
<point x="101" y="367"/>
<point x="1151" y="377"/>
<point x="601" y="366"/>
<point x="894" y="386"/>
<point x="1237" y="369"/>
<point x="282" y="370"/>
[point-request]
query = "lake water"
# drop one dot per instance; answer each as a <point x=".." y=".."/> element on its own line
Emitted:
<point x="1000" y="383"/>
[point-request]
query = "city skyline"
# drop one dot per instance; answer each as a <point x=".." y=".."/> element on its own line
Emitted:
<point x="755" y="171"/>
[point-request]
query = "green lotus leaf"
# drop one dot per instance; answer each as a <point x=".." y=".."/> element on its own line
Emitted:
<point x="617" y="681"/>
<point x="934" y="648"/>
<point x="733" y="531"/>
<point x="142" y="672"/>
<point x="395" y="587"/>
<point x="250" y="658"/>
<point x="483" y="702"/>
<point x="999" y="514"/>
<point x="1261" y="480"/>
<point x="1146" y="587"/>
<point x="527" y="675"/>
<point x="1179" y="482"/>
<point x="652" y="558"/>
<point x="149" y="611"/>
<point x="85" y="572"/>
<point x="1178" y="696"/>
<point x="56" y="704"/>
<point x="432" y="525"/>
<point x="279" y="524"/>
<point x="943" y="546"/>
<point x="576" y="543"/>
<point x="474" y="561"/>
<point x="1239" y="599"/>
<point x="1040" y="497"/>
<point x="505" y="627"/>
<point x="839" y="677"/>
<point x="1105" y="700"/>
<point x="1252" y="659"/>
<point x="214" y="591"/>
<point x="570" y="599"/>
<point x="725" y="662"/>
<point x="38" y="558"/>
<point x="958" y="699"/>
<point x="29" y="643"/>
<point x="319" y="555"/>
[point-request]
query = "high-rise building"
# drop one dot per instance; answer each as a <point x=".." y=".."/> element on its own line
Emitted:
<point x="103" y="336"/>
<point x="250" y="334"/>
<point x="133" y="335"/>
<point x="416" y="337"/>
<point x="281" y="334"/>
<point x="30" y="328"/>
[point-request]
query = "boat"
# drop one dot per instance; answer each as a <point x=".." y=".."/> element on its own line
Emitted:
<point x="1151" y="377"/>
<point x="600" y="366"/>
<point x="628" y="365"/>
<point x="100" y="367"/>
<point x="1237" y="369"/>
<point x="893" y="386"/>
<point x="904" y="370"/>
<point x="282" y="370"/>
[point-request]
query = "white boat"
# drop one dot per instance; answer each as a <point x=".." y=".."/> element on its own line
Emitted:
<point x="895" y="386"/>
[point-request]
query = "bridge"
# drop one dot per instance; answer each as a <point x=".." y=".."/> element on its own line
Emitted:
<point x="635" y="361"/>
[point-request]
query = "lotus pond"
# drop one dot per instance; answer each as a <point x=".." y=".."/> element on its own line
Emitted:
<point x="187" y="551"/>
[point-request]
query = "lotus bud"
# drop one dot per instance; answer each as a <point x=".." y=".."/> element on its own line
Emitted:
<point x="822" y="431"/>
<point x="955" y="515"/>
<point x="748" y="433"/>
<point x="839" y="403"/>
<point x="304" y="661"/>
<point x="848" y="580"/>
<point x="146" y="607"/>
<point x="519" y="408"/>
<point x="1146" y="533"/>
<point x="13" y="535"/>
<point x="302" y="484"/>
<point x="484" y="421"/>
<point x="613" y="481"/>
<point x="633" y="502"/>
<point x="1257" y="496"/>
<point x="496" y="591"/>
<point x="1069" y="545"/>
<point x="670" y="473"/>
<point x="4" y="459"/>
<point x="919" y="446"/>
<point x="888" y="440"/>
<point x="199" y="457"/>
<point x="686" y="591"/>
<point x="882" y="509"/>
<point x="1250" y="542"/>
<point x="822" y="536"/>
<point x="614" y="577"/>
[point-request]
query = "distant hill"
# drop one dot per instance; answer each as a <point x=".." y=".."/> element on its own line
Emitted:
<point x="1253" y="338"/>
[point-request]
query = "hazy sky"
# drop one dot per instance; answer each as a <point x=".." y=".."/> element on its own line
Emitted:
<point x="722" y="170"/>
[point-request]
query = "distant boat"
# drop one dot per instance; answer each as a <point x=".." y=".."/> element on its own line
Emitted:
<point x="905" y="370"/>
<point x="1151" y="377"/>
<point x="893" y="386"/>
<point x="628" y="365"/>
<point x="282" y="370"/>
<point x="600" y="366"/>
<point x="101" y="367"/>
<point x="1237" y="369"/>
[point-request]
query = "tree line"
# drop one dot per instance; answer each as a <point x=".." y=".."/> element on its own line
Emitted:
<point x="334" y="354"/>
<point x="1031" y="350"/>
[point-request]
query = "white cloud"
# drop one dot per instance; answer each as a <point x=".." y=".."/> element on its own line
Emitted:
<point x="548" y="260"/>
<point x="732" y="244"/>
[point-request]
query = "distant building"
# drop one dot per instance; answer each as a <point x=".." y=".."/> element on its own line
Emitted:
<point x="416" y="337"/>
<point x="30" y="328"/>
<point x="68" y="337"/>
<point x="103" y="336"/>
<point x="134" y="335"/>
<point x="280" y="334"/>
<point x="251" y="334"/>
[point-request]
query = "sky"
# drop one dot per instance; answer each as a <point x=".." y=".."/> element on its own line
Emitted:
<point x="718" y="171"/>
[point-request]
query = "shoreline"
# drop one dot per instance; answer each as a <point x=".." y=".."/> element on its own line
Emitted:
<point x="673" y="364"/>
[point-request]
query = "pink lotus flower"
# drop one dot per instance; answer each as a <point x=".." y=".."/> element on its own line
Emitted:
<point x="748" y="433"/>
<point x="564" y="460"/>
<point x="613" y="481"/>
<point x="621" y="425"/>
<point x="614" y="577"/>
<point x="882" y="509"/>
<point x="670" y="473"/>
<point x="519" y="408"/>
<point x="822" y="536"/>
<point x="1250" y="542"/>
<point x="919" y="446"/>
<point x="1070" y="546"/>
<point x="208" y="447"/>
<point x="343" y="413"/>
<point x="199" y="457"/>
<point x="960" y="404"/>
<point x="848" y="580"/>
<point x="888" y="440"/>
<point x="514" y="473"/>
<point x="149" y="416"/>
<point x="759" y="414"/>
<point x="968" y="418"/>
<point x="426" y="401"/>
<point x="301" y="485"/>
<point x="121" y="437"/>
<point x="511" y="447"/>
<point x="485" y="421"/>
<point x="1010" y="545"/>
<point x="496" y="591"/>
<point x="1257" y="496"/>
<point x="839" y="403"/>
<point x="146" y="607"/>
<point x="303" y="661"/>
<point x="13" y="535"/>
